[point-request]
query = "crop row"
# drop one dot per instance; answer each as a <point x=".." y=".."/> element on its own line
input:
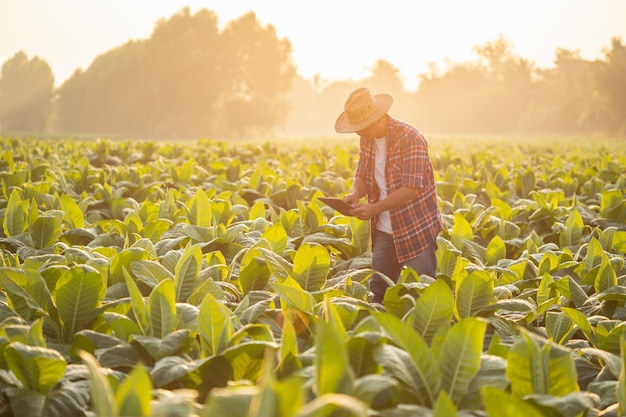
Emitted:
<point x="143" y="278"/>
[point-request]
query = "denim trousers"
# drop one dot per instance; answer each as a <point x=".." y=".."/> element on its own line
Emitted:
<point x="385" y="260"/>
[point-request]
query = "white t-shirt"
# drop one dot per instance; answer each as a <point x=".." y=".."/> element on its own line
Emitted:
<point x="384" y="219"/>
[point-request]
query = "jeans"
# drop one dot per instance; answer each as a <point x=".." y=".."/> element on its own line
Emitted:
<point x="384" y="260"/>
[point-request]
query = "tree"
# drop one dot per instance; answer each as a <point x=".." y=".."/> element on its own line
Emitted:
<point x="166" y="86"/>
<point x="25" y="91"/>
<point x="260" y="73"/>
<point x="610" y="77"/>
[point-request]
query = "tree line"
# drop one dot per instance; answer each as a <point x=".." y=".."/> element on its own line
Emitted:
<point x="191" y="80"/>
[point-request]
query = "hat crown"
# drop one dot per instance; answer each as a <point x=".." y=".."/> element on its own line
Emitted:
<point x="360" y="105"/>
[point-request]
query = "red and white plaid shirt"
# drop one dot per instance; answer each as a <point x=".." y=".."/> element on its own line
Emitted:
<point x="417" y="222"/>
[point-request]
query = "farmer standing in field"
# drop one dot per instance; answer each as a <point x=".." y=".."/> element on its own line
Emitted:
<point x="396" y="174"/>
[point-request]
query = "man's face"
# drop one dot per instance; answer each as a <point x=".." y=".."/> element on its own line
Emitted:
<point x="370" y="132"/>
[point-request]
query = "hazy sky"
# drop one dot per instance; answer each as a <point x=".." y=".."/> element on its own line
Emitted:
<point x="337" y="39"/>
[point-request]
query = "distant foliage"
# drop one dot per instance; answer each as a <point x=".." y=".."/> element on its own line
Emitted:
<point x="25" y="93"/>
<point x="188" y="80"/>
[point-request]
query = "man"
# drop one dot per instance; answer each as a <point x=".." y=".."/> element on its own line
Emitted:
<point x="396" y="174"/>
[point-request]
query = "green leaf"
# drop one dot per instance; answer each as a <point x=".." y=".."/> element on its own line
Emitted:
<point x="500" y="403"/>
<point x="277" y="238"/>
<point x="573" y="233"/>
<point x="496" y="250"/>
<point x="161" y="348"/>
<point x="293" y="295"/>
<point x="332" y="366"/>
<point x="583" y="324"/>
<point x="329" y="404"/>
<point x="199" y="209"/>
<point x="28" y="293"/>
<point x="433" y="310"/>
<point x="254" y="275"/>
<point x="72" y="213"/>
<point x="37" y="368"/>
<point x="621" y="384"/>
<point x="422" y="358"/>
<point x="133" y="396"/>
<point x="559" y="327"/>
<point x="79" y="291"/>
<point x="540" y="367"/>
<point x="187" y="272"/>
<point x="613" y="206"/>
<point x="100" y="387"/>
<point x="461" y="231"/>
<point x="15" y="221"/>
<point x="474" y="293"/>
<point x="606" y="278"/>
<point x="444" y="406"/>
<point x="215" y="324"/>
<point x="149" y="272"/>
<point x="46" y="229"/>
<point x="162" y="309"/>
<point x="310" y="266"/>
<point x="138" y="305"/>
<point x="460" y="356"/>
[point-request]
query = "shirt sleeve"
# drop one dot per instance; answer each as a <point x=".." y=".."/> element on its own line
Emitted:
<point x="415" y="161"/>
<point x="361" y="164"/>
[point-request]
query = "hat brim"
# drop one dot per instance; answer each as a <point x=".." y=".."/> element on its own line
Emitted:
<point x="343" y="125"/>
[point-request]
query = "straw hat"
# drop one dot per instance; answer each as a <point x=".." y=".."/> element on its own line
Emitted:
<point x="361" y="110"/>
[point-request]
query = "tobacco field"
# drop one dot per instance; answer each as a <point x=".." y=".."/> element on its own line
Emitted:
<point x="205" y="279"/>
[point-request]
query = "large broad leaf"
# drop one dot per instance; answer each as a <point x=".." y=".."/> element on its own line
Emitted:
<point x="333" y="404"/>
<point x="140" y="310"/>
<point x="500" y="403"/>
<point x="277" y="238"/>
<point x="460" y="356"/>
<point x="474" y="293"/>
<point x="162" y="309"/>
<point x="37" y="368"/>
<point x="496" y="250"/>
<point x="293" y="295"/>
<point x="310" y="266"/>
<point x="149" y="272"/>
<point x="73" y="215"/>
<point x="14" y="221"/>
<point x="254" y="274"/>
<point x="422" y="358"/>
<point x="540" y="367"/>
<point x="199" y="209"/>
<point x="187" y="272"/>
<point x="160" y="348"/>
<point x="79" y="291"/>
<point x="606" y="278"/>
<point x="215" y="323"/>
<point x="28" y="293"/>
<point x="583" y="324"/>
<point x="621" y="384"/>
<point x="122" y="260"/>
<point x="332" y="366"/>
<point x="134" y="394"/>
<point x="46" y="229"/>
<point x="461" y="232"/>
<point x="444" y="407"/>
<point x="433" y="309"/>
<point x="101" y="391"/>
<point x="573" y="233"/>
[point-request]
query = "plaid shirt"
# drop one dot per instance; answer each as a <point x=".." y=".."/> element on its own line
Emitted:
<point x="417" y="222"/>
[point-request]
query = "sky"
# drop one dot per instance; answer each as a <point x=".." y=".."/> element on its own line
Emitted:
<point x="332" y="39"/>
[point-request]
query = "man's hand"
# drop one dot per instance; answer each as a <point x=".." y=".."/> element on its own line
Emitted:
<point x="351" y="199"/>
<point x="364" y="211"/>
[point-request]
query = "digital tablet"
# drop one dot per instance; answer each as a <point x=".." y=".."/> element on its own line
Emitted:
<point x="338" y="204"/>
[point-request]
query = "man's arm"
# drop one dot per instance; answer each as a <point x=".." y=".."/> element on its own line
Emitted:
<point x="395" y="199"/>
